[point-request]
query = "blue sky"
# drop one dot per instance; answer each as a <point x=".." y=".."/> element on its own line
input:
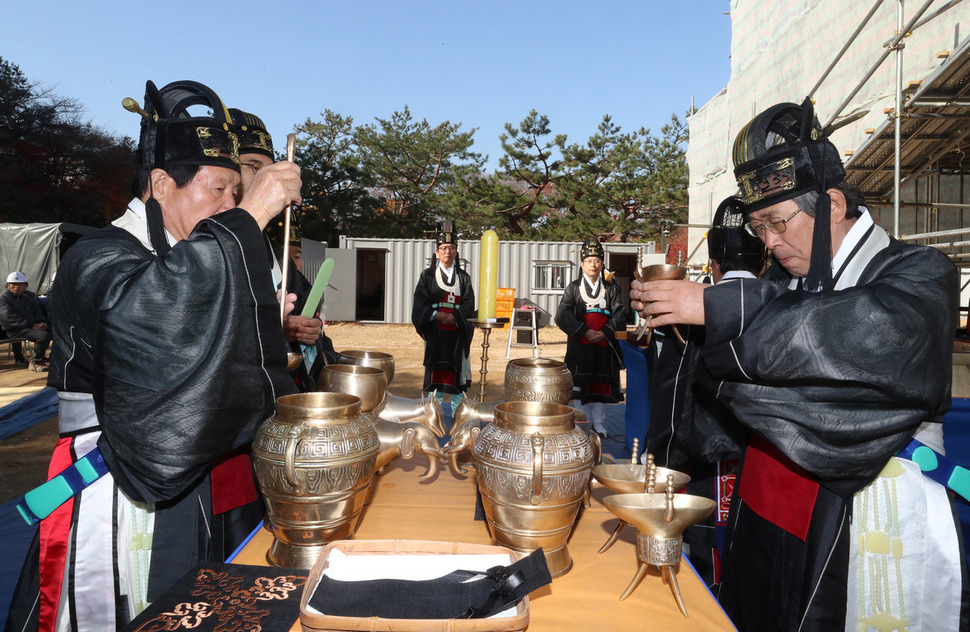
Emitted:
<point x="482" y="64"/>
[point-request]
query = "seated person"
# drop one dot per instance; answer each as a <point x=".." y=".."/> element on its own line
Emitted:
<point x="22" y="317"/>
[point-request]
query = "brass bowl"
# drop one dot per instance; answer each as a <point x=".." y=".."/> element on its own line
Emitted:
<point x="293" y="360"/>
<point x="627" y="478"/>
<point x="376" y="359"/>
<point x="367" y="383"/>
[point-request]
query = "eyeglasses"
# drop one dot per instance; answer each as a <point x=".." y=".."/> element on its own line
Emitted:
<point x="776" y="225"/>
<point x="255" y="165"/>
<point x="448" y="248"/>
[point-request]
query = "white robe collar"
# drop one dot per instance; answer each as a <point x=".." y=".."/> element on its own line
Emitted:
<point x="135" y="222"/>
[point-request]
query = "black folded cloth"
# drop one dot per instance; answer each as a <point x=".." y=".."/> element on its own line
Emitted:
<point x="457" y="595"/>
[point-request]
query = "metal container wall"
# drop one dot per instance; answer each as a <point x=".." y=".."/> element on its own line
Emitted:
<point x="406" y="258"/>
<point x="314" y="462"/>
<point x="533" y="467"/>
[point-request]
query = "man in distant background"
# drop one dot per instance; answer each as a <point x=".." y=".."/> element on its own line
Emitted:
<point x="444" y="302"/>
<point x="22" y="317"/>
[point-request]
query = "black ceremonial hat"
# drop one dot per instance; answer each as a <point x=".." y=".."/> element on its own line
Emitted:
<point x="172" y="135"/>
<point x="780" y="154"/>
<point x="591" y="248"/>
<point x="253" y="137"/>
<point x="446" y="234"/>
<point x="727" y="236"/>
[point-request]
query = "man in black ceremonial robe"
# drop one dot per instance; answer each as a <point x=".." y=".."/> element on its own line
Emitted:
<point x="444" y="303"/>
<point x="836" y="360"/>
<point x="168" y="353"/>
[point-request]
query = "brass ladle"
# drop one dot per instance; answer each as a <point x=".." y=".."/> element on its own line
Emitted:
<point x="293" y="358"/>
<point x="657" y="272"/>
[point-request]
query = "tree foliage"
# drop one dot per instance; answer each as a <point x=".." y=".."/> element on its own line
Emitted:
<point x="336" y="190"/>
<point x="615" y="187"/>
<point x="56" y="167"/>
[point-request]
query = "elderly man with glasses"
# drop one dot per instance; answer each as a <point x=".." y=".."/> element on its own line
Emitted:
<point x="839" y="363"/>
<point x="444" y="303"/>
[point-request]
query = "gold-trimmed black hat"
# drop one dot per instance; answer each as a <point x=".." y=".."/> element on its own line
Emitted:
<point x="592" y="248"/>
<point x="782" y="153"/>
<point x="446" y="234"/>
<point x="253" y="137"/>
<point x="172" y="135"/>
<point x="727" y="236"/>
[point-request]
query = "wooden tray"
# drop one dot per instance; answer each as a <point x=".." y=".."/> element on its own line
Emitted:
<point x="313" y="622"/>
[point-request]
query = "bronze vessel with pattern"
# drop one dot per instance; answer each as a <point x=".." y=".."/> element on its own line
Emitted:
<point x="314" y="461"/>
<point x="533" y="467"/>
<point x="538" y="380"/>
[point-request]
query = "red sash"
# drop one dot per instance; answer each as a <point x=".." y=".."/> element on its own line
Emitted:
<point x="233" y="484"/>
<point x="595" y="321"/>
<point x="777" y="489"/>
<point x="54" y="533"/>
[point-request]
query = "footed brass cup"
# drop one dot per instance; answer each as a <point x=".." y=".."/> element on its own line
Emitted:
<point x="314" y="461"/>
<point x="533" y="465"/>
<point x="367" y="383"/>
<point x="657" y="272"/>
<point x="631" y="478"/>
<point x="660" y="520"/>
<point x="375" y="359"/>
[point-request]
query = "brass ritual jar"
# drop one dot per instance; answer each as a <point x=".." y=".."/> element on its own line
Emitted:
<point x="533" y="466"/>
<point x="366" y="382"/>
<point x="314" y="462"/>
<point x="375" y="359"/>
<point x="538" y="380"/>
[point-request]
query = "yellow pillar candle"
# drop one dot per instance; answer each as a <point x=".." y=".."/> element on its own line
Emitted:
<point x="488" y="275"/>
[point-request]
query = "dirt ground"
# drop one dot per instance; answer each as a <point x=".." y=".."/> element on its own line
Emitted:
<point x="24" y="456"/>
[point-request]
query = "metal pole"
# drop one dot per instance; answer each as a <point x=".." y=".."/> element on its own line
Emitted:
<point x="936" y="233"/>
<point x="898" y="115"/>
<point x="882" y="57"/>
<point x="848" y="43"/>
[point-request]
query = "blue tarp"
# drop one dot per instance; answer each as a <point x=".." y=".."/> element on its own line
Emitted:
<point x="28" y="411"/>
<point x="637" y="405"/>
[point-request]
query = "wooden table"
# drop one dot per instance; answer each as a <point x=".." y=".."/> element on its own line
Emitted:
<point x="586" y="598"/>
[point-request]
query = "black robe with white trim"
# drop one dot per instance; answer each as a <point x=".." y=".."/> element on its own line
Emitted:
<point x="833" y="385"/>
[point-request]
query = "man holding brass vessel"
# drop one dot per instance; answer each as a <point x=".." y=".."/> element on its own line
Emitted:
<point x="591" y="313"/>
<point x="839" y="362"/>
<point x="168" y="355"/>
<point x="444" y="304"/>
